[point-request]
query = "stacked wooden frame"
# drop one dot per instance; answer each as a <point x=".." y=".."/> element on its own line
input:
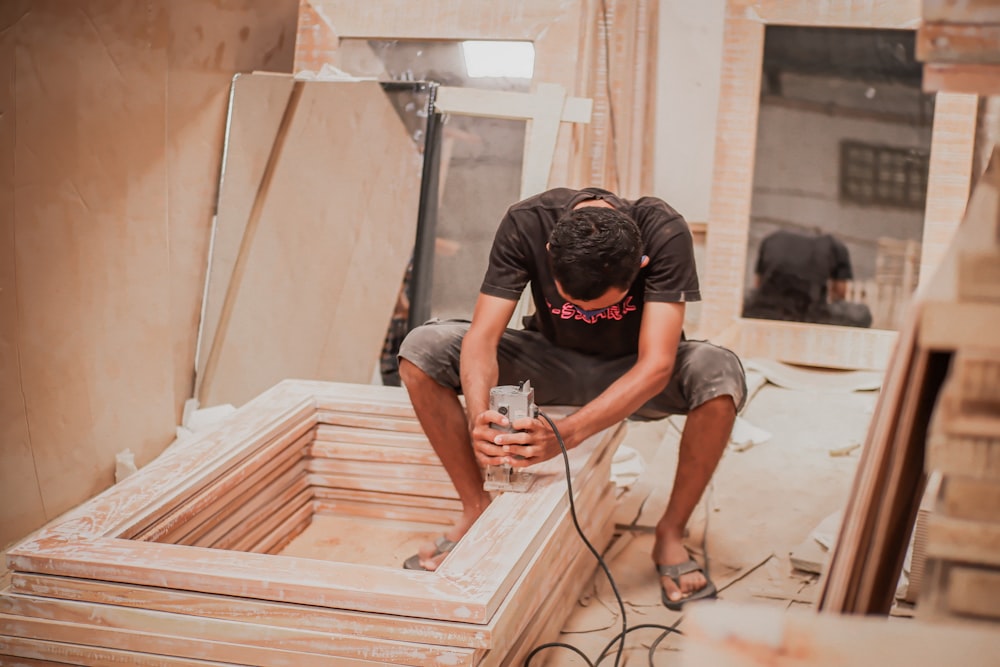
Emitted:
<point x="949" y="341"/>
<point x="180" y="563"/>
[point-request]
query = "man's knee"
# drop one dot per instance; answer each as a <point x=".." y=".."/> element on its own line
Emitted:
<point x="433" y="350"/>
<point x="715" y="372"/>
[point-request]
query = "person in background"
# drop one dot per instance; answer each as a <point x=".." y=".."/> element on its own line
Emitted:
<point x="803" y="277"/>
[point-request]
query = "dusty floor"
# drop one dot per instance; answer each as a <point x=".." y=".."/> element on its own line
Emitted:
<point x="764" y="502"/>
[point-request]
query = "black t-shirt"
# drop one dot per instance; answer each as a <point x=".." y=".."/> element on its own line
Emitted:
<point x="794" y="269"/>
<point x="519" y="256"/>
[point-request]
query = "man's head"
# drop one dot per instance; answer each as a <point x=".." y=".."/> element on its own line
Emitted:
<point x="595" y="252"/>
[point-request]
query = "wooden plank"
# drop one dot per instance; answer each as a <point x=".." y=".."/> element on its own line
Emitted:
<point x="375" y="510"/>
<point x="42" y="652"/>
<point x="254" y="499"/>
<point x="288" y="268"/>
<point x="288" y="445"/>
<point x="729" y="635"/>
<point x="376" y="422"/>
<point x="340" y="452"/>
<point x="412" y="487"/>
<point x="939" y="42"/>
<point x="362" y="436"/>
<point x="553" y="603"/>
<point x="970" y="498"/>
<point x="847" y="559"/>
<point x="968" y="453"/>
<point x="961" y="11"/>
<point x="967" y="79"/>
<point x="286" y="505"/>
<point x="962" y="540"/>
<point x="260" y="612"/>
<point x="426" y="502"/>
<point x="974" y="592"/>
<point x="979" y="276"/>
<point x="145" y="642"/>
<point x="253" y="636"/>
<point x="389" y="469"/>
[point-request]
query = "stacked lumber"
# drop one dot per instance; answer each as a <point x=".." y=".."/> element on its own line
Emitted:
<point x="963" y="537"/>
<point x="959" y="42"/>
<point x="944" y="365"/>
<point x="182" y="563"/>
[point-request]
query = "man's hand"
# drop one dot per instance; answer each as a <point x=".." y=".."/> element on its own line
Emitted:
<point x="531" y="442"/>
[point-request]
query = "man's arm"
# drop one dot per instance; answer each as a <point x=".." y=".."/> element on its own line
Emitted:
<point x="659" y="335"/>
<point x="478" y="366"/>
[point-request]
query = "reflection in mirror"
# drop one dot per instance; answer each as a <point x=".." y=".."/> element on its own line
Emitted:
<point x="480" y="166"/>
<point x="840" y="177"/>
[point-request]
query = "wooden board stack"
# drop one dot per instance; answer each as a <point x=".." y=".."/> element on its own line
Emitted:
<point x="963" y="535"/>
<point x="944" y="366"/>
<point x="181" y="564"/>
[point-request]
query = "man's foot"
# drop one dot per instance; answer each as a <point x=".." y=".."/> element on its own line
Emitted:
<point x="423" y="560"/>
<point x="430" y="556"/>
<point x="688" y="583"/>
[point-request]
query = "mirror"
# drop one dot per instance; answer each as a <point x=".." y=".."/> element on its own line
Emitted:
<point x="840" y="177"/>
<point x="742" y="194"/>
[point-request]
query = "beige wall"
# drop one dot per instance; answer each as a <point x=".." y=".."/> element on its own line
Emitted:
<point x="111" y="123"/>
<point x="687" y="100"/>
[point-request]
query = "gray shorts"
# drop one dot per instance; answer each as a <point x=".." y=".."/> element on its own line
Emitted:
<point x="702" y="371"/>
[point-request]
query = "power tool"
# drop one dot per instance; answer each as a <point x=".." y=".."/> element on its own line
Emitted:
<point x="513" y="402"/>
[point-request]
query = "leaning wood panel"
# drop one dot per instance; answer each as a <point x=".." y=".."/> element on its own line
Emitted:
<point x="290" y="298"/>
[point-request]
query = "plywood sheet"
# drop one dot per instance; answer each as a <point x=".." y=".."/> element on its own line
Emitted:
<point x="335" y="215"/>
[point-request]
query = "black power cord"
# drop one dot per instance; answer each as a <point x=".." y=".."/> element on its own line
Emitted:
<point x="620" y="637"/>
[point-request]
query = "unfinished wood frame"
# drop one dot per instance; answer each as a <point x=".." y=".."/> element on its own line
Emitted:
<point x="136" y="556"/>
<point x="952" y="146"/>
<point x="570" y="51"/>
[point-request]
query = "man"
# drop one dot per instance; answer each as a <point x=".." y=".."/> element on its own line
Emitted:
<point x="803" y="277"/>
<point x="609" y="278"/>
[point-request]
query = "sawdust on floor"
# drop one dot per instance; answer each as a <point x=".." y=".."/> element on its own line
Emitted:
<point x="762" y="503"/>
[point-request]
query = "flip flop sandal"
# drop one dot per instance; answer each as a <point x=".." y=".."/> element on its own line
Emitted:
<point x="675" y="572"/>
<point x="442" y="545"/>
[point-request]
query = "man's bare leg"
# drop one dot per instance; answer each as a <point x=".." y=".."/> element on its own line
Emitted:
<point x="706" y="434"/>
<point x="444" y="422"/>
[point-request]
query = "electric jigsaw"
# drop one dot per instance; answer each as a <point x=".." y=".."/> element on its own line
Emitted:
<point x="513" y="402"/>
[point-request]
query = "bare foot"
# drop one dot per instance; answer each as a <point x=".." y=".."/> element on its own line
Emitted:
<point x="671" y="551"/>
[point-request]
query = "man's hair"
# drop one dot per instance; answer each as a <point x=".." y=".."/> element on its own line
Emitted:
<point x="593" y="249"/>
